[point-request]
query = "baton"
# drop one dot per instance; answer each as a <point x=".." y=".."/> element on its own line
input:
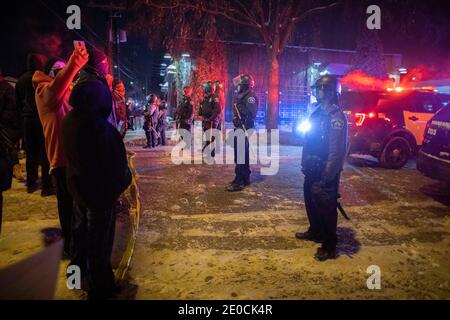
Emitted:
<point x="244" y="128"/>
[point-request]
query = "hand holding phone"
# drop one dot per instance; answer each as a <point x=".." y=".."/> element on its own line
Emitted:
<point x="80" y="53"/>
<point x="79" y="43"/>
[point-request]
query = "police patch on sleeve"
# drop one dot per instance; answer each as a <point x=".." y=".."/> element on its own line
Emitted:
<point x="251" y="100"/>
<point x="337" y="124"/>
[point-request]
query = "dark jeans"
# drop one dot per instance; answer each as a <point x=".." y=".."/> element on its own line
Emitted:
<point x="321" y="209"/>
<point x="35" y="150"/>
<point x="131" y="123"/>
<point x="65" y="206"/>
<point x="92" y="243"/>
<point x="242" y="171"/>
<point x="151" y="138"/>
<point x="162" y="134"/>
<point x="207" y="126"/>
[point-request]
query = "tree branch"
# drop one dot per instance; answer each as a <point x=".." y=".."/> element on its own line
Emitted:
<point x="226" y="12"/>
<point x="310" y="11"/>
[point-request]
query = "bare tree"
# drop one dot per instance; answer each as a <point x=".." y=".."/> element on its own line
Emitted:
<point x="274" y="21"/>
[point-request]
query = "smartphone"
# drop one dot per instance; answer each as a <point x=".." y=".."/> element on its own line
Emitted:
<point x="79" y="43"/>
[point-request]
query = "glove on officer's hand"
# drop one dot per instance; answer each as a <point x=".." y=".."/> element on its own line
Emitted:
<point x="237" y="122"/>
<point x="316" y="188"/>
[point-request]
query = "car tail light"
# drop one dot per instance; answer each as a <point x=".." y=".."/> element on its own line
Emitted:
<point x="361" y="117"/>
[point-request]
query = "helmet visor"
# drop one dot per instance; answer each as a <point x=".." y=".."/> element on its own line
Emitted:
<point x="237" y="80"/>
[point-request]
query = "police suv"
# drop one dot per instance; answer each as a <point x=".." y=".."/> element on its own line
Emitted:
<point x="433" y="159"/>
<point x="390" y="125"/>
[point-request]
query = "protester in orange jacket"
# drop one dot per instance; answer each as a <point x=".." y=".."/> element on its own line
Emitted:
<point x="53" y="87"/>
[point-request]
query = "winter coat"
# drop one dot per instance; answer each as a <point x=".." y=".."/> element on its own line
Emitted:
<point x="185" y="111"/>
<point x="9" y="133"/>
<point x="25" y="100"/>
<point x="151" y="117"/>
<point x="97" y="167"/>
<point x="9" y="116"/>
<point x="162" y="117"/>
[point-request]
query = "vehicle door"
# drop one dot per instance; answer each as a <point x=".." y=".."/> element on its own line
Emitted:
<point x="421" y="108"/>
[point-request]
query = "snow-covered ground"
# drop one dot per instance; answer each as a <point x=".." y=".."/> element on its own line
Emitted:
<point x="197" y="241"/>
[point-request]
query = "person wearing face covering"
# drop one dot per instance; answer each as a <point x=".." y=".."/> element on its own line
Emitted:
<point x="120" y="107"/>
<point x="52" y="95"/>
<point x="97" y="173"/>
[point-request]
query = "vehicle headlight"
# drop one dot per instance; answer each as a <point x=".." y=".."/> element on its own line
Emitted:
<point x="304" y="126"/>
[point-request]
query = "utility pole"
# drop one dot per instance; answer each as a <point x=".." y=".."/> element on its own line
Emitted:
<point x="112" y="33"/>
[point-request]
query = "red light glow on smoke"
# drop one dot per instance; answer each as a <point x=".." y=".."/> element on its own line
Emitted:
<point x="358" y="80"/>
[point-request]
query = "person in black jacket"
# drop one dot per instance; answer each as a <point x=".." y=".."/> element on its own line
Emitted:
<point x="9" y="137"/>
<point x="97" y="173"/>
<point x="211" y="112"/>
<point x="322" y="162"/>
<point x="162" y="123"/>
<point x="151" y="121"/>
<point x="245" y="109"/>
<point x="33" y="134"/>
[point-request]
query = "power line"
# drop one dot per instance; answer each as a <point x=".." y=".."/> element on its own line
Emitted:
<point x="92" y="32"/>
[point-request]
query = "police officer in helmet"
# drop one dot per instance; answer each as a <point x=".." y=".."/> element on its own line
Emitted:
<point x="210" y="111"/>
<point x="245" y="109"/>
<point x="323" y="157"/>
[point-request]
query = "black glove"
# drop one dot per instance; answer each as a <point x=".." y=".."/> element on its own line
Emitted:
<point x="237" y="122"/>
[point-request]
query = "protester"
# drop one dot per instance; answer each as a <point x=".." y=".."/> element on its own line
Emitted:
<point x="32" y="129"/>
<point x="9" y="137"/>
<point x="97" y="173"/>
<point x="162" y="123"/>
<point x="120" y="107"/>
<point x="52" y="95"/>
<point x="150" y="122"/>
<point x="130" y="114"/>
<point x="138" y="116"/>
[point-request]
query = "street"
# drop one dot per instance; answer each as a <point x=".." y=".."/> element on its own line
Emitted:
<point x="197" y="241"/>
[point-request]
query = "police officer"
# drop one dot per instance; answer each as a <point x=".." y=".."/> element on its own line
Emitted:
<point x="210" y="111"/>
<point x="185" y="111"/>
<point x="245" y="109"/>
<point x="323" y="157"/>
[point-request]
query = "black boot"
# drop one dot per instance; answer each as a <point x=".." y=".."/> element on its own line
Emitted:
<point x="236" y="186"/>
<point x="309" y="236"/>
<point x="324" y="253"/>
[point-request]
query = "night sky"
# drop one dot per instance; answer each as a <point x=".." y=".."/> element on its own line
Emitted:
<point x="418" y="30"/>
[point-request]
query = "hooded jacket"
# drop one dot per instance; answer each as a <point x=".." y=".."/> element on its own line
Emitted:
<point x="52" y="97"/>
<point x="25" y="98"/>
<point x="9" y="133"/>
<point x="97" y="167"/>
<point x="9" y="116"/>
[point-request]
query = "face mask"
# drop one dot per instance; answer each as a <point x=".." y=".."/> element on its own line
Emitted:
<point x="56" y="68"/>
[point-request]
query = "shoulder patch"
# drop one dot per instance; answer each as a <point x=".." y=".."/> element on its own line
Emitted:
<point x="251" y="100"/>
<point x="337" y="123"/>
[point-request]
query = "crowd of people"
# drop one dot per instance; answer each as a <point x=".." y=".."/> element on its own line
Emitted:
<point x="71" y="117"/>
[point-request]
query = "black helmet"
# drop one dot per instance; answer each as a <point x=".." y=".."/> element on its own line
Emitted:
<point x="218" y="86"/>
<point x="208" y="87"/>
<point x="244" y="82"/>
<point x="329" y="84"/>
